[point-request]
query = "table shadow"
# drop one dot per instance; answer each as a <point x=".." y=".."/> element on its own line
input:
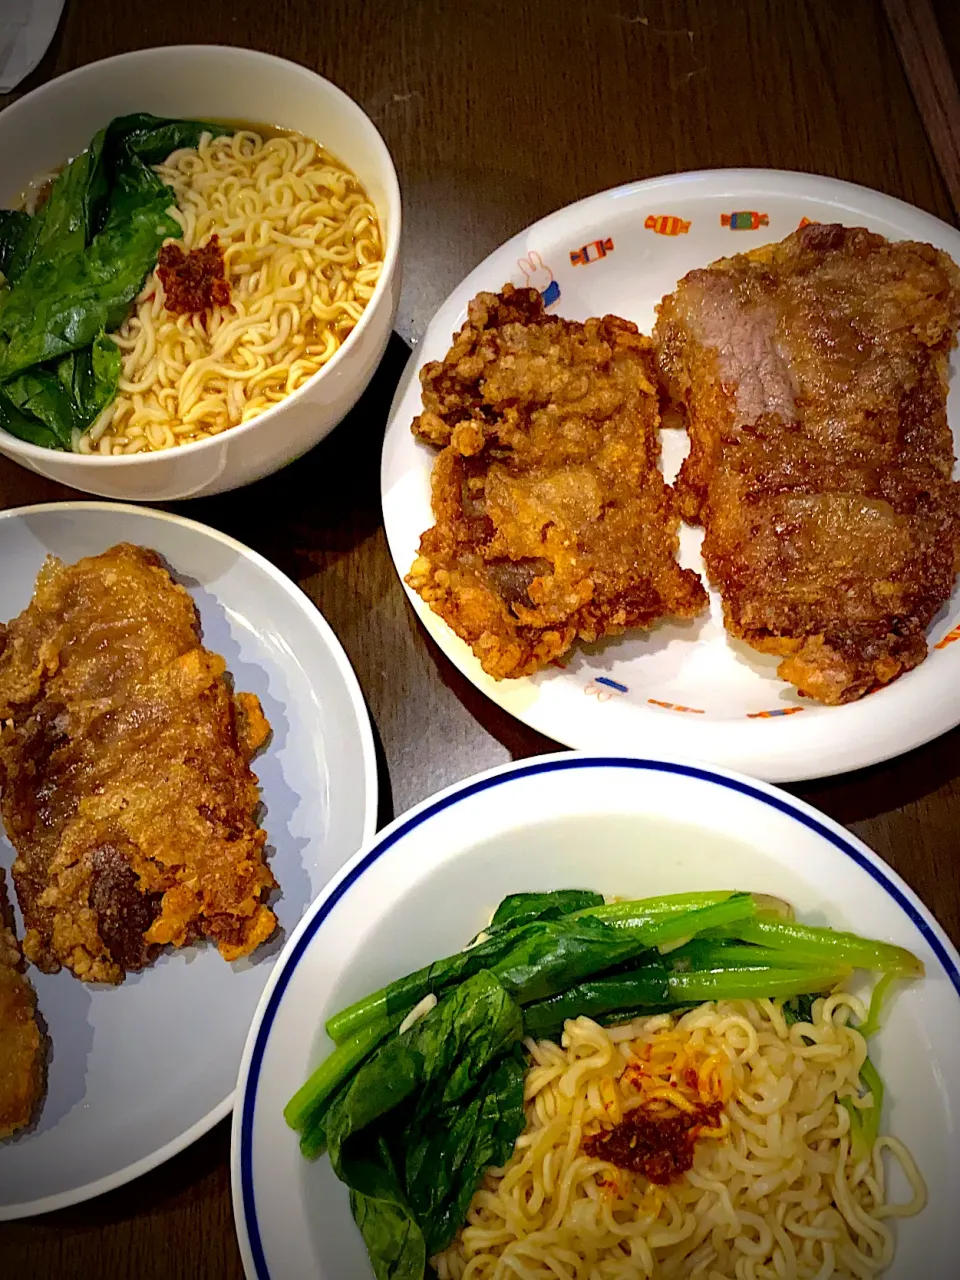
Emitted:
<point x="520" y="740"/>
<point x="867" y="793"/>
<point x="175" y="1180"/>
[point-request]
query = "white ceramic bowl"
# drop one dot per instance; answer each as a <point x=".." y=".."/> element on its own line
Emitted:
<point x="56" y="121"/>
<point x="620" y="825"/>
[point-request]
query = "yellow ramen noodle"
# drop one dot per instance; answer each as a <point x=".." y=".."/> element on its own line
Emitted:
<point x="302" y="254"/>
<point x="775" y="1195"/>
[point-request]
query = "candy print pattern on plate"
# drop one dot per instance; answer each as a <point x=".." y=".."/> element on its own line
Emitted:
<point x="949" y="638"/>
<point x="666" y="224"/>
<point x="744" y="220"/>
<point x="772" y="715"/>
<point x="591" y="252"/>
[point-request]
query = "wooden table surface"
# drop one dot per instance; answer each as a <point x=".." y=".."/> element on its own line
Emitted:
<point x="497" y="113"/>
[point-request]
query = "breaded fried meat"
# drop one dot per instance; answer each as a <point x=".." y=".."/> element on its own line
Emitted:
<point x="552" y="520"/>
<point x="812" y="375"/>
<point x="125" y="773"/>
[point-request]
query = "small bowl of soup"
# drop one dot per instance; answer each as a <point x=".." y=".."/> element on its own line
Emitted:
<point x="199" y="269"/>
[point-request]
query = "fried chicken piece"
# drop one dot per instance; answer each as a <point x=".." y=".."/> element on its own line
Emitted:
<point x="812" y="374"/>
<point x="126" y="787"/>
<point x="21" y="1044"/>
<point x="553" y="522"/>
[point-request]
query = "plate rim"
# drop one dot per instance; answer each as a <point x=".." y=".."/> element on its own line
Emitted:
<point x="110" y="1182"/>
<point x="242" y="1181"/>
<point x="792" y="763"/>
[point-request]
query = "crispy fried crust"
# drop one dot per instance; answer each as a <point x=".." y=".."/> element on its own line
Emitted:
<point x="21" y="1044"/>
<point x="125" y="773"/>
<point x="812" y="376"/>
<point x="553" y="522"/>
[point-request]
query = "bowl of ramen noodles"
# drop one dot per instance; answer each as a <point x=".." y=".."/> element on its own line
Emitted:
<point x="199" y="269"/>
<point x="605" y="1018"/>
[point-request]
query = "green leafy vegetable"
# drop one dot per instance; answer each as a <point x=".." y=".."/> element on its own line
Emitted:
<point x="392" y="1235"/>
<point x="543" y="957"/>
<point x="453" y="1063"/>
<point x="449" y="1045"/>
<point x="37" y="407"/>
<point x="695" y="987"/>
<point x="643" y="911"/>
<point x="448" y="1149"/>
<point x="404" y="994"/>
<point x="657" y="987"/>
<point x="46" y="404"/>
<point x="798" y="1009"/>
<point x="15" y="227"/>
<point x="412" y="1120"/>
<point x="804" y="942"/>
<point x="523" y="908"/>
<point x="94" y="374"/>
<point x="58" y="307"/>
<point x="865" y="1121"/>
<point x="334" y="1069"/>
<point x="152" y="139"/>
<point x="647" y="988"/>
<point x="879" y="997"/>
<point x="702" y="953"/>
<point x="64" y="224"/>
<point x="74" y="269"/>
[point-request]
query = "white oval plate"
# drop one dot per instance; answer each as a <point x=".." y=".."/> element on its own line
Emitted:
<point x="629" y="826"/>
<point x="689" y="688"/>
<point x="141" y="1070"/>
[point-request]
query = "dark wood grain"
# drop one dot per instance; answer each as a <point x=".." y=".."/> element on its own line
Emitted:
<point x="926" y="62"/>
<point x="497" y="113"/>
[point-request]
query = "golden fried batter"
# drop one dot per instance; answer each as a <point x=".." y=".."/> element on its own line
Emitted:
<point x="21" y="1045"/>
<point x="553" y="522"/>
<point x="813" y="378"/>
<point x="125" y="773"/>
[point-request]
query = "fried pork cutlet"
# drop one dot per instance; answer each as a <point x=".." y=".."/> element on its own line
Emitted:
<point x="21" y="1045"/>
<point x="813" y="378"/>
<point x="553" y="522"/>
<point x="126" y="787"/>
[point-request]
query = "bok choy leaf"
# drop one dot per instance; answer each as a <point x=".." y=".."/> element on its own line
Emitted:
<point x="73" y="270"/>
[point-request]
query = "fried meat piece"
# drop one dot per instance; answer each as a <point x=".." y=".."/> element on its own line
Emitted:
<point x="21" y="1044"/>
<point x="124" y="768"/>
<point x="553" y="522"/>
<point x="812" y="375"/>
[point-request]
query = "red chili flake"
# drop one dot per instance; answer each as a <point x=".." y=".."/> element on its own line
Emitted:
<point x="193" y="281"/>
<point x="658" y="1144"/>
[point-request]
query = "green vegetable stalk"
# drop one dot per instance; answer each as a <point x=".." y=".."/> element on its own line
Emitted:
<point x="657" y="988"/>
<point x="334" y="1070"/>
<point x="546" y="956"/>
<point x="865" y="1121"/>
<point x="804" y="942"/>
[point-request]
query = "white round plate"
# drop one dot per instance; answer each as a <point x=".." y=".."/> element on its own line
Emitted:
<point x="139" y="1071"/>
<point x="628" y="826"/>
<point x="688" y="687"/>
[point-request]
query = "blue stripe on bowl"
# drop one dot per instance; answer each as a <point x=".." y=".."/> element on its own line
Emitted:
<point x="784" y="805"/>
